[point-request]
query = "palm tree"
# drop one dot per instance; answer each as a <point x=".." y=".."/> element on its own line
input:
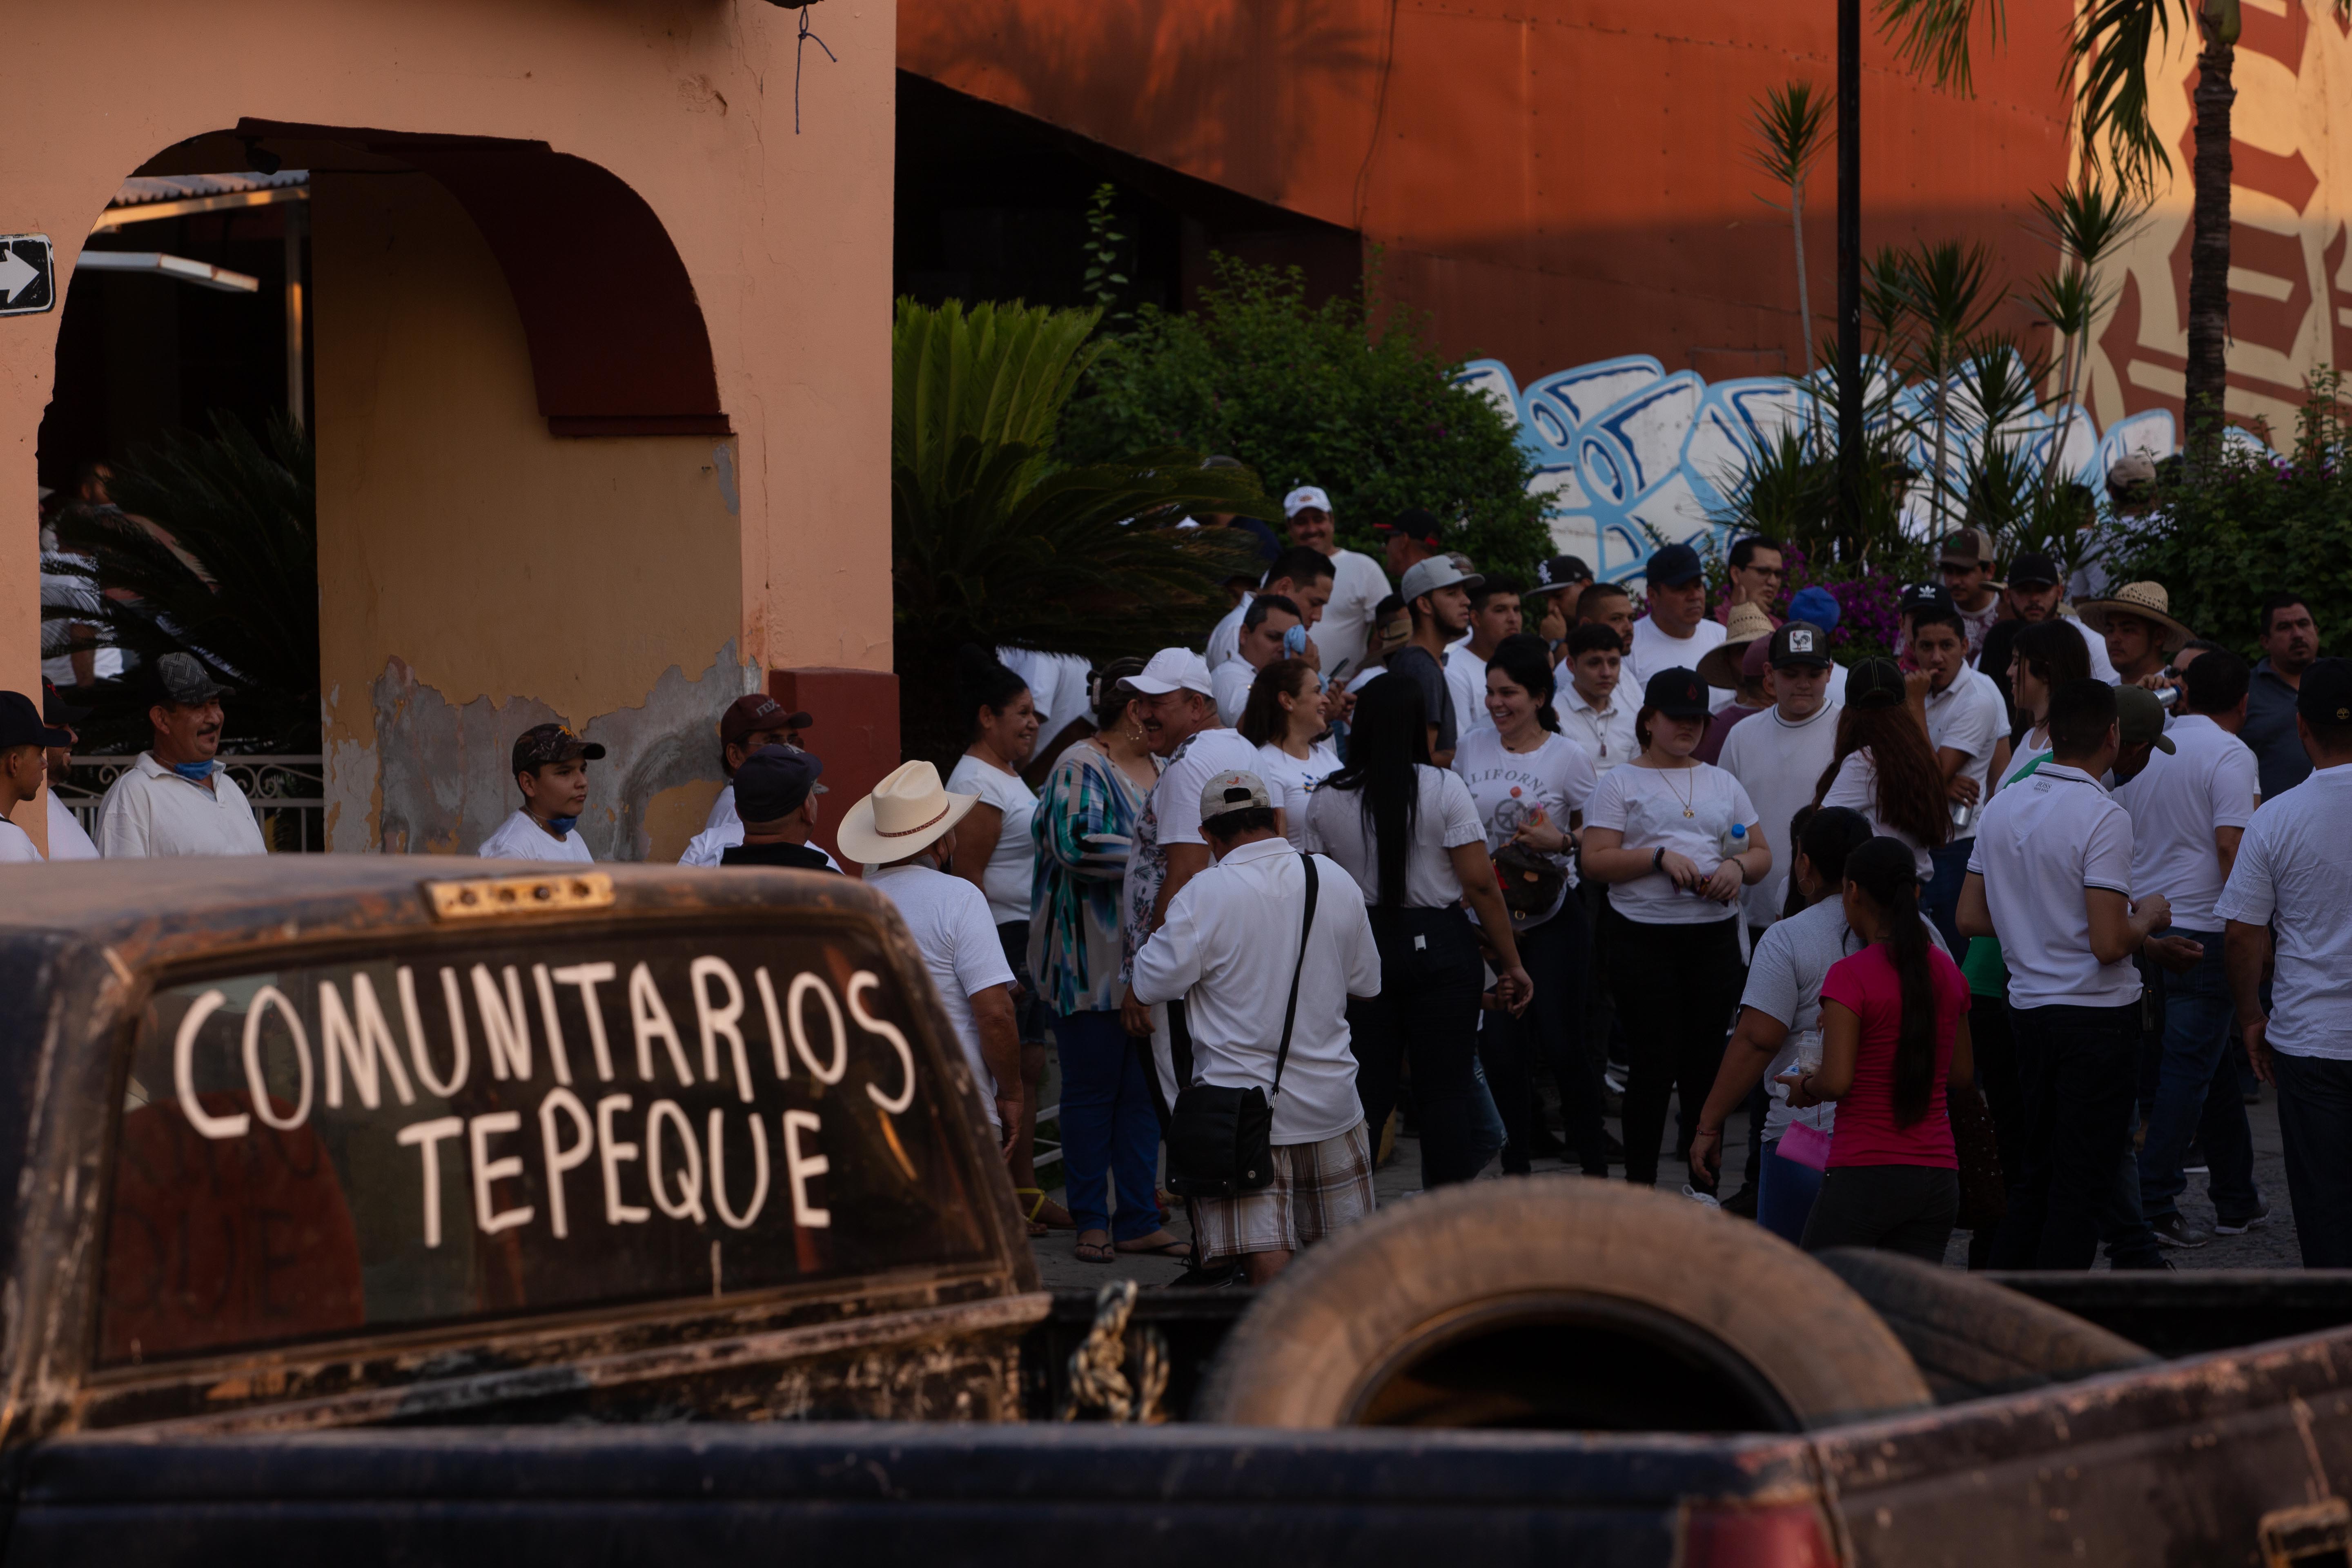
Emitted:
<point x="990" y="545"/>
<point x="2085" y="222"/>
<point x="1789" y="120"/>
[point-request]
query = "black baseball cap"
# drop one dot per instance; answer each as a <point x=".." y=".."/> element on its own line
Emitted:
<point x="773" y="781"/>
<point x="2032" y="570"/>
<point x="56" y="710"/>
<point x="2325" y="698"/>
<point x="543" y="744"/>
<point x="1413" y="524"/>
<point x="1560" y="572"/>
<point x="1673" y="566"/>
<point x="1874" y="683"/>
<point x="1800" y="643"/>
<point x="1927" y="596"/>
<point x="20" y="723"/>
<point x="1676" y="693"/>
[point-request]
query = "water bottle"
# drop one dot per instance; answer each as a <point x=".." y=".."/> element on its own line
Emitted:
<point x="1735" y="840"/>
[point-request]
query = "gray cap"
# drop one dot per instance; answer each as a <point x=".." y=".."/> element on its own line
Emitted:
<point x="1437" y="571"/>
<point x="181" y="681"/>
<point x="1233" y="790"/>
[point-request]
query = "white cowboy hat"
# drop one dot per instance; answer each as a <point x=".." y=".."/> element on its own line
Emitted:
<point x="2148" y="601"/>
<point x="1719" y="666"/>
<point x="909" y="811"/>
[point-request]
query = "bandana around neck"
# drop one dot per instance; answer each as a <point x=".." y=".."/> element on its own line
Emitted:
<point x="194" y="773"/>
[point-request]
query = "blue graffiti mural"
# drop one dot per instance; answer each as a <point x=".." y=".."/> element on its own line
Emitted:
<point x="1629" y="456"/>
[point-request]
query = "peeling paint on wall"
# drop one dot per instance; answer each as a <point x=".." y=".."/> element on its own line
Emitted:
<point x="439" y="770"/>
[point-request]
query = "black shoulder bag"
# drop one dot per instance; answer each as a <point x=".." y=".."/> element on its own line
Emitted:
<point x="1219" y="1139"/>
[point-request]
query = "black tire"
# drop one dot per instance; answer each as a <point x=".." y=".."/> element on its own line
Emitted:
<point x="1970" y="1337"/>
<point x="1560" y="1302"/>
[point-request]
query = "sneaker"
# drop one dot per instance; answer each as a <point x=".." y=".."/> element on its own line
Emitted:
<point x="2195" y="1163"/>
<point x="2173" y="1230"/>
<point x="2256" y="1221"/>
<point x="1742" y="1203"/>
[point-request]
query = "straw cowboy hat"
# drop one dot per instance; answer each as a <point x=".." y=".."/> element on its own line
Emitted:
<point x="909" y="811"/>
<point x="2148" y="601"/>
<point x="1720" y="666"/>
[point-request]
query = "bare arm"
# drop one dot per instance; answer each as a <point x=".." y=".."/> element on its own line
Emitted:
<point x="2245" y="952"/>
<point x="1000" y="1048"/>
<point x="1185" y="861"/>
<point x="1974" y="915"/>
<point x="1476" y="874"/>
<point x="975" y="842"/>
<point x="2118" y="926"/>
<point x="1964" y="1058"/>
<point x="1754" y="1044"/>
<point x="1840" y="1046"/>
<point x="2225" y="844"/>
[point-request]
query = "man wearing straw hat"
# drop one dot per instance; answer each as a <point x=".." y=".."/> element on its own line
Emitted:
<point x="904" y="833"/>
<point x="2142" y="636"/>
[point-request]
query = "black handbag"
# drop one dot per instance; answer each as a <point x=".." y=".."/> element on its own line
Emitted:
<point x="1220" y="1139"/>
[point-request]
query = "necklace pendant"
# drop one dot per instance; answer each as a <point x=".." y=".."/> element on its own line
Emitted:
<point x="1688" y="812"/>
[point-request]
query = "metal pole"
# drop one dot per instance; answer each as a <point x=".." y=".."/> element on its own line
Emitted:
<point x="297" y="215"/>
<point x="1849" y="275"/>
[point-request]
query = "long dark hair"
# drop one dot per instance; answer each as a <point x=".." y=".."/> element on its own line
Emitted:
<point x="983" y="682"/>
<point x="1527" y="659"/>
<point x="1262" y="719"/>
<point x="1910" y="780"/>
<point x="1387" y="744"/>
<point x="1888" y="877"/>
<point x="1826" y="835"/>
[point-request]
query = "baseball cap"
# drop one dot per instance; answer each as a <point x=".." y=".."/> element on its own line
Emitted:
<point x="1171" y="669"/>
<point x="2034" y="569"/>
<point x="1968" y="547"/>
<point x="1676" y="693"/>
<point x="544" y="743"/>
<point x="1800" y="643"/>
<point x="2325" y="694"/>
<point x="773" y="781"/>
<point x="1413" y="524"/>
<point x="1673" y="566"/>
<point x="754" y="712"/>
<point x="1927" y="596"/>
<point x="181" y="681"/>
<point x="1437" y="571"/>
<point x="1233" y="790"/>
<point x="1874" y="683"/>
<point x="2140" y="717"/>
<point x="1305" y="498"/>
<point x="20" y="723"/>
<point x="1266" y="547"/>
<point x="1816" y="605"/>
<point x="57" y="710"/>
<point x="1560" y="572"/>
<point x="2132" y="470"/>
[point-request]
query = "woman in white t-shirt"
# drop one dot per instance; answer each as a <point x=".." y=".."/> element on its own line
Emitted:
<point x="1661" y="831"/>
<point x="1284" y="719"/>
<point x="1530" y="783"/>
<point x="2044" y="656"/>
<point x="1409" y="836"/>
<point x="996" y="852"/>
<point x="1883" y="766"/>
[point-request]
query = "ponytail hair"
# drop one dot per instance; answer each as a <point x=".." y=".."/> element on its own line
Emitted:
<point x="1387" y="747"/>
<point x="1527" y="659"/>
<point x="1886" y="872"/>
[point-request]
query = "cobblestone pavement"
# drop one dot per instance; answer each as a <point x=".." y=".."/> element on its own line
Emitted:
<point x="2272" y="1246"/>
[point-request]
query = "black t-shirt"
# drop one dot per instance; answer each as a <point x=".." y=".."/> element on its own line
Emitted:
<point x="1416" y="665"/>
<point x="799" y="856"/>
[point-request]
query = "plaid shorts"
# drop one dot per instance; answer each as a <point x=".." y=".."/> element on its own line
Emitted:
<point x="1317" y="1189"/>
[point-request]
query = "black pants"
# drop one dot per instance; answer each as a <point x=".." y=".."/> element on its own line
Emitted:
<point x="1431" y="975"/>
<point x="2078" y="1079"/>
<point x="1676" y="986"/>
<point x="1556" y="957"/>
<point x="2314" y="1105"/>
<point x="1895" y="1208"/>
<point x="1995" y="1052"/>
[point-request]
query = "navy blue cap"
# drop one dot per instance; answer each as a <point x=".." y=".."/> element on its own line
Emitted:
<point x="1673" y="566"/>
<point x="2324" y="698"/>
<point x="20" y="723"/>
<point x="1676" y="693"/>
<point x="773" y="781"/>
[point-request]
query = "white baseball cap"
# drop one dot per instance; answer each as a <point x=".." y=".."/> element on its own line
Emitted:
<point x="1302" y="497"/>
<point x="1233" y="790"/>
<point x="1172" y="670"/>
<point x="1437" y="571"/>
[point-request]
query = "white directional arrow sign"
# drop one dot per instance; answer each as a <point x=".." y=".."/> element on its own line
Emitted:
<point x="27" y="277"/>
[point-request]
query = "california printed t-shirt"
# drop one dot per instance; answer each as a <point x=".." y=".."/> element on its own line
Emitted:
<point x="1172" y="815"/>
<point x="1686" y="810"/>
<point x="1779" y="763"/>
<point x="2175" y="801"/>
<point x="948" y="918"/>
<point x="1288" y="779"/>
<point x="520" y="838"/>
<point x="2292" y="871"/>
<point x="1867" y="1135"/>
<point x="1336" y="827"/>
<point x="1013" y="864"/>
<point x="2043" y="840"/>
<point x="1511" y="787"/>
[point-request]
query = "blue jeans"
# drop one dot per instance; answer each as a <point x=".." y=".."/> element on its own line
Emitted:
<point x="2314" y="1107"/>
<point x="1940" y="899"/>
<point x="1784" y="1201"/>
<point x="2077" y="1070"/>
<point x="2195" y="1095"/>
<point x="1108" y="1125"/>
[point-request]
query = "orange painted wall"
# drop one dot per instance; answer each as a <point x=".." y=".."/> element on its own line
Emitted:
<point x="1559" y="183"/>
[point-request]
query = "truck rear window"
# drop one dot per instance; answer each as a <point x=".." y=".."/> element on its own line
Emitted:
<point x="515" y="1126"/>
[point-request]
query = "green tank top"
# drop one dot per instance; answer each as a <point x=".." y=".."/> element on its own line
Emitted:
<point x="1985" y="970"/>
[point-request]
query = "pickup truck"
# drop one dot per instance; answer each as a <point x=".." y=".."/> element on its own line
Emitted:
<point x="388" y="1210"/>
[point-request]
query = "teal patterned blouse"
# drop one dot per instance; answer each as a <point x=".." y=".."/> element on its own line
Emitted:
<point x="1084" y="828"/>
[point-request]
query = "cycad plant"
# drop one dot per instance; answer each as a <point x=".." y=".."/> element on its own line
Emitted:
<point x="211" y="546"/>
<point x="992" y="545"/>
<point x="1789" y="121"/>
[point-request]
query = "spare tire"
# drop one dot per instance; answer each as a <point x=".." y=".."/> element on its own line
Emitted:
<point x="1970" y="1337"/>
<point x="1559" y="1303"/>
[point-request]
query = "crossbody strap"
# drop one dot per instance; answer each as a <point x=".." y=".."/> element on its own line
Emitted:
<point x="1290" y="1012"/>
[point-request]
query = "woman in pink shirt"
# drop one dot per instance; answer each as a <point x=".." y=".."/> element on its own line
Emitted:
<point x="1894" y="1033"/>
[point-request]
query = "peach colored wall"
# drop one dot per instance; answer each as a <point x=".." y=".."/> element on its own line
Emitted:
<point x="787" y="238"/>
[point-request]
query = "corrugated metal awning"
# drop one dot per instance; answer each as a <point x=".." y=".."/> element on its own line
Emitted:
<point x="149" y="196"/>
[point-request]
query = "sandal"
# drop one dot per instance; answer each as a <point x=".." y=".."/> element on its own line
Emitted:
<point x="1034" y="1211"/>
<point x="1097" y="1251"/>
<point x="1180" y="1250"/>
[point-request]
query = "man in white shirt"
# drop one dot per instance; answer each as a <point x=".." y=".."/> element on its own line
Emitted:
<point x="1780" y="756"/>
<point x="752" y="721"/>
<point x="2138" y="631"/>
<point x="1271" y="617"/>
<point x="551" y="768"/>
<point x="905" y="834"/>
<point x="1966" y="720"/>
<point x="177" y="798"/>
<point x="24" y="743"/>
<point x="1674" y="633"/>
<point x="1966" y="564"/>
<point x="1494" y="616"/>
<point x="1587" y="705"/>
<point x="67" y="841"/>
<point x="1358" y="584"/>
<point x="2189" y="809"/>
<point x="1301" y="575"/>
<point x="1234" y="938"/>
<point x="2050" y="876"/>
<point x="2037" y="592"/>
<point x="2292" y="874"/>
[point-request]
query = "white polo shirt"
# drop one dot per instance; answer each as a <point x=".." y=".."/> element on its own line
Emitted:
<point x="1605" y="735"/>
<point x="520" y="838"/>
<point x="2175" y="801"/>
<point x="722" y="815"/>
<point x="152" y="813"/>
<point x="1224" y="644"/>
<point x="2292" y="871"/>
<point x="1228" y="948"/>
<point x="948" y="919"/>
<point x="66" y="840"/>
<point x="1969" y="717"/>
<point x="2041" y="842"/>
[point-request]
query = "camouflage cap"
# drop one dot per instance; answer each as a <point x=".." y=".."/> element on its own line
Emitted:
<point x="544" y="743"/>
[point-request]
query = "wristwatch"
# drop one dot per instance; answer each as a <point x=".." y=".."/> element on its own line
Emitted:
<point x="1658" y="860"/>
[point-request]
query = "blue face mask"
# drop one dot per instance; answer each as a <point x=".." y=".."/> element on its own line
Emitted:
<point x="562" y="823"/>
<point x="194" y="773"/>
